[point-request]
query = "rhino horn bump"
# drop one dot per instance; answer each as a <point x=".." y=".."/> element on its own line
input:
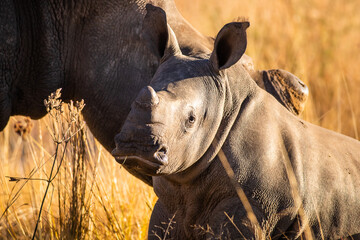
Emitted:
<point x="147" y="98"/>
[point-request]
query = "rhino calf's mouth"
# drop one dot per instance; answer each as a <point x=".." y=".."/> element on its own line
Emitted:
<point x="148" y="159"/>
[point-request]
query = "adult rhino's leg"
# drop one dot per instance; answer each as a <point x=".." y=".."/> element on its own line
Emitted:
<point x="160" y="223"/>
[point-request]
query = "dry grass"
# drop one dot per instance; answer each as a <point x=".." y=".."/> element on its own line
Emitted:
<point x="59" y="183"/>
<point x="319" y="41"/>
<point x="93" y="198"/>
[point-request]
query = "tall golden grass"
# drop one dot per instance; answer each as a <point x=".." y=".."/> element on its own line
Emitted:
<point x="92" y="197"/>
<point x="59" y="183"/>
<point x="318" y="41"/>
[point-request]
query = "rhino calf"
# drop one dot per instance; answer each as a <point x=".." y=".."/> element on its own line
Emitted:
<point x="196" y="106"/>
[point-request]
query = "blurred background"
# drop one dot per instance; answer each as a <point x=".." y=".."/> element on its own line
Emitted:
<point x="92" y="197"/>
<point x="317" y="40"/>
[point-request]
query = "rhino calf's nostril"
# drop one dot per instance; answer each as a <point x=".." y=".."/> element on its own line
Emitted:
<point x="161" y="157"/>
<point x="163" y="149"/>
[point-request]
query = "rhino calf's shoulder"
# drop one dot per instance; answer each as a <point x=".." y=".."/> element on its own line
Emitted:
<point x="196" y="106"/>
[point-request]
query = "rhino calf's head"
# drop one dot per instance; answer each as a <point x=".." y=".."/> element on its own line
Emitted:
<point x="173" y="121"/>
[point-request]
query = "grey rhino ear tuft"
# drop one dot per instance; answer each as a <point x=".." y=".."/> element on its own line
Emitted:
<point x="230" y="45"/>
<point x="158" y="35"/>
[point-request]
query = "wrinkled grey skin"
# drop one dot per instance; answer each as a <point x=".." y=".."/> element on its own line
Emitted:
<point x="195" y="106"/>
<point x="93" y="50"/>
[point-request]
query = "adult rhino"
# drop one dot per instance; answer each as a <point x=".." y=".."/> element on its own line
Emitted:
<point x="197" y="106"/>
<point x="94" y="50"/>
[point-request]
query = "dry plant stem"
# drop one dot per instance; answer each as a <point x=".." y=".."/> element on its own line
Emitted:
<point x="54" y="108"/>
<point x="233" y="223"/>
<point x="17" y="179"/>
<point x="51" y="178"/>
<point x="318" y="219"/>
<point x="240" y="192"/>
<point x="296" y="196"/>
<point x="167" y="232"/>
<point x="17" y="194"/>
<point x="353" y="117"/>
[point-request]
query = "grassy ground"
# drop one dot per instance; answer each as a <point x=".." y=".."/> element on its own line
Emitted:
<point x="93" y="198"/>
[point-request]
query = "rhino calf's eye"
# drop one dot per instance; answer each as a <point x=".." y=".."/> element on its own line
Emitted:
<point x="191" y="119"/>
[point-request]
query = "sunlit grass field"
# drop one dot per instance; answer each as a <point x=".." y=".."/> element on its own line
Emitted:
<point x="318" y="41"/>
<point x="92" y="197"/>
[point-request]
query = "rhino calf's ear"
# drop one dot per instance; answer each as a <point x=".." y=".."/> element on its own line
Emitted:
<point x="230" y="45"/>
<point x="158" y="35"/>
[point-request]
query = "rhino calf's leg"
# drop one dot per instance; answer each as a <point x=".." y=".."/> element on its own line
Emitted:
<point x="160" y="223"/>
<point x="229" y="220"/>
